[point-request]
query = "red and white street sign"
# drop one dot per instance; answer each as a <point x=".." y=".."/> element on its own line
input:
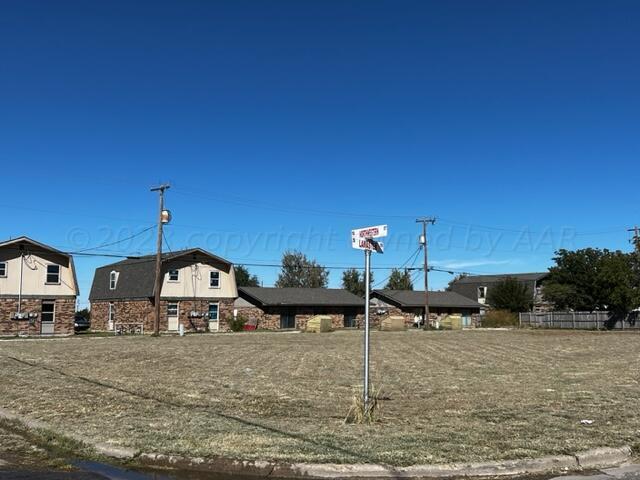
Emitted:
<point x="370" y="232"/>
<point x="363" y="238"/>
<point x="367" y="244"/>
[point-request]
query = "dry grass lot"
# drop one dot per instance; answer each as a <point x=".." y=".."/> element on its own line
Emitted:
<point x="452" y="396"/>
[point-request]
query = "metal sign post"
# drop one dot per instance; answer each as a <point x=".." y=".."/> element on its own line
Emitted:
<point x="363" y="239"/>
<point x="367" y="293"/>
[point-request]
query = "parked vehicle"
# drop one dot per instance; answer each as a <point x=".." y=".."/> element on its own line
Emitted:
<point x="81" y="323"/>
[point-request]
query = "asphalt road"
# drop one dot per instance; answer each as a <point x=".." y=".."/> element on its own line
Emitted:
<point x="105" y="472"/>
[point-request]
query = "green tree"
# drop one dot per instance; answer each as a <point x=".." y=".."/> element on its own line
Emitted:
<point x="593" y="279"/>
<point x="573" y="281"/>
<point x="298" y="271"/>
<point x="617" y="280"/>
<point x="511" y="295"/>
<point x="244" y="277"/>
<point x="85" y="313"/>
<point x="399" y="280"/>
<point x="353" y="280"/>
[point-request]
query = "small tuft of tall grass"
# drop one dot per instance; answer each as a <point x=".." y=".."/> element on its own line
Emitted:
<point x="358" y="413"/>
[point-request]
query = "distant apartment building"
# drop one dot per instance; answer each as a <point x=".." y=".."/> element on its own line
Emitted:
<point x="38" y="289"/>
<point x="198" y="290"/>
<point x="478" y="287"/>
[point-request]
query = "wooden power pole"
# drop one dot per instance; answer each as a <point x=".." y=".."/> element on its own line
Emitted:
<point x="636" y="237"/>
<point x="158" y="285"/>
<point x="423" y="243"/>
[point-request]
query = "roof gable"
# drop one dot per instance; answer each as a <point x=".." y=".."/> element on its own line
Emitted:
<point x="21" y="241"/>
<point x="136" y="275"/>
<point x="39" y="248"/>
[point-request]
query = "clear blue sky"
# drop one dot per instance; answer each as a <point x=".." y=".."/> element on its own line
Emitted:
<point x="287" y="123"/>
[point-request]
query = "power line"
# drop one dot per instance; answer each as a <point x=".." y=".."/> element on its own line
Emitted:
<point x="252" y="204"/>
<point x="136" y="259"/>
<point x="273" y="207"/>
<point x="414" y="255"/>
<point x="117" y="241"/>
<point x="603" y="231"/>
<point x="166" y="242"/>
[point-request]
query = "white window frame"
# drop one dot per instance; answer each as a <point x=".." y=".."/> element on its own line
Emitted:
<point x="177" y="304"/>
<point x="177" y="270"/>
<point x="484" y="292"/>
<point x="217" y="304"/>
<point x="5" y="266"/>
<point x="113" y="280"/>
<point x="46" y="278"/>
<point x="211" y="273"/>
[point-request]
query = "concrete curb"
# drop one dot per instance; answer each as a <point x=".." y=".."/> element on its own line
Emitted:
<point x="100" y="448"/>
<point x="600" y="457"/>
<point x="605" y="457"/>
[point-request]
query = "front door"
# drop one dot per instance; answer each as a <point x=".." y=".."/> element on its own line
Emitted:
<point x="350" y="317"/>
<point x="214" y="317"/>
<point x="112" y="317"/>
<point x="172" y="316"/>
<point x="288" y="318"/>
<point x="48" y="317"/>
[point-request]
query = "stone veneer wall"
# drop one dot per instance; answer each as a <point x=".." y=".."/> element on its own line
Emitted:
<point x="65" y="310"/>
<point x="270" y="319"/>
<point x="435" y="314"/>
<point x="143" y="311"/>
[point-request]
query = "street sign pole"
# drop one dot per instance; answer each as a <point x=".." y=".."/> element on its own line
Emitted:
<point x="366" y="239"/>
<point x="367" y="276"/>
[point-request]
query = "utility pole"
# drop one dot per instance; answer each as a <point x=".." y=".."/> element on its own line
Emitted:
<point x="423" y="242"/>
<point x="636" y="237"/>
<point x="162" y="218"/>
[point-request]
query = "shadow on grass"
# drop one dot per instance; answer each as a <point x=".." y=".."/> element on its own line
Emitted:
<point x="175" y="404"/>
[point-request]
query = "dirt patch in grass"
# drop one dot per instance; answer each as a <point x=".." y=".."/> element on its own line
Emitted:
<point x="450" y="396"/>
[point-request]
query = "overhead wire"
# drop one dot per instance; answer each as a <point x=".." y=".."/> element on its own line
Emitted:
<point x="115" y="242"/>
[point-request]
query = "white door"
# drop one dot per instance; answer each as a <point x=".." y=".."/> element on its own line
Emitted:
<point x="112" y="316"/>
<point x="172" y="317"/>
<point x="214" y="323"/>
<point x="48" y="317"/>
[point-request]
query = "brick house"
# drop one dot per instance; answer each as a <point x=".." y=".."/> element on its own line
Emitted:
<point x="477" y="287"/>
<point x="291" y="308"/>
<point x="198" y="291"/>
<point x="38" y="289"/>
<point x="410" y="303"/>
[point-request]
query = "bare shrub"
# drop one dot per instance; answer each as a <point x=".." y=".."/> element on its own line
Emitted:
<point x="361" y="414"/>
<point x="499" y="318"/>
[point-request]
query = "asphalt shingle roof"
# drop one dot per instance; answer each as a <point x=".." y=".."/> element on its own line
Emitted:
<point x="266" y="296"/>
<point x="523" y="277"/>
<point x="415" y="298"/>
<point x="136" y="277"/>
